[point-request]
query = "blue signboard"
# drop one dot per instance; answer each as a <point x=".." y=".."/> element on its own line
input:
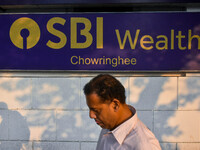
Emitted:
<point x="41" y="2"/>
<point x="100" y="41"/>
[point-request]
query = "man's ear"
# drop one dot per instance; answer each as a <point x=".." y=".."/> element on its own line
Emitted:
<point x="115" y="104"/>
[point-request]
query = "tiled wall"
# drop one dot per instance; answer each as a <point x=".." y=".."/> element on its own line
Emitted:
<point x="49" y="113"/>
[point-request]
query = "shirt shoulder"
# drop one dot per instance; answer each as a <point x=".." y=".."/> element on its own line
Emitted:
<point x="143" y="138"/>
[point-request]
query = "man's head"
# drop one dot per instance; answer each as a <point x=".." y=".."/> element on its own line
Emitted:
<point x="106" y="87"/>
<point x="104" y="95"/>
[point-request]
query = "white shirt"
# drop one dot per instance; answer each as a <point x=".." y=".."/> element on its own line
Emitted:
<point x="130" y="135"/>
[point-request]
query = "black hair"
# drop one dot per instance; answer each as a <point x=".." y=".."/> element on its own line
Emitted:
<point x="106" y="87"/>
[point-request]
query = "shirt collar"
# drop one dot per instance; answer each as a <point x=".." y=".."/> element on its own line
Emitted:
<point x="125" y="128"/>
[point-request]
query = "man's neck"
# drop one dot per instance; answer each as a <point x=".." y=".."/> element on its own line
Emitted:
<point x="124" y="114"/>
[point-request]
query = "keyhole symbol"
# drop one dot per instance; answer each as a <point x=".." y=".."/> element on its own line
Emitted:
<point x="24" y="33"/>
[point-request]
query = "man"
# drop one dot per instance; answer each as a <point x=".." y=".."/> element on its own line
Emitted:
<point x="122" y="130"/>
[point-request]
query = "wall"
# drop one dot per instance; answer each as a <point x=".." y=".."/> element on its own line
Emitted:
<point x="48" y="112"/>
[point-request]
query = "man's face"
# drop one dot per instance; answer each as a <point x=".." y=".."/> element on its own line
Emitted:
<point x="102" y="113"/>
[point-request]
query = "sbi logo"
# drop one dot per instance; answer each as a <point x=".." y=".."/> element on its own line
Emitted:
<point x="25" y="33"/>
<point x="21" y="40"/>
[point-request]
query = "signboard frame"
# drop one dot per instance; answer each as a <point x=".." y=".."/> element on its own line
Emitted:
<point x="101" y="70"/>
<point x="88" y="2"/>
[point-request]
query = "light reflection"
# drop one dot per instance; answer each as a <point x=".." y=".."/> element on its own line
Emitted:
<point x="47" y="88"/>
<point x="11" y="92"/>
<point x="1" y="119"/>
<point x="137" y="87"/>
<point x="187" y="127"/>
<point x="168" y="93"/>
<point x="78" y="120"/>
